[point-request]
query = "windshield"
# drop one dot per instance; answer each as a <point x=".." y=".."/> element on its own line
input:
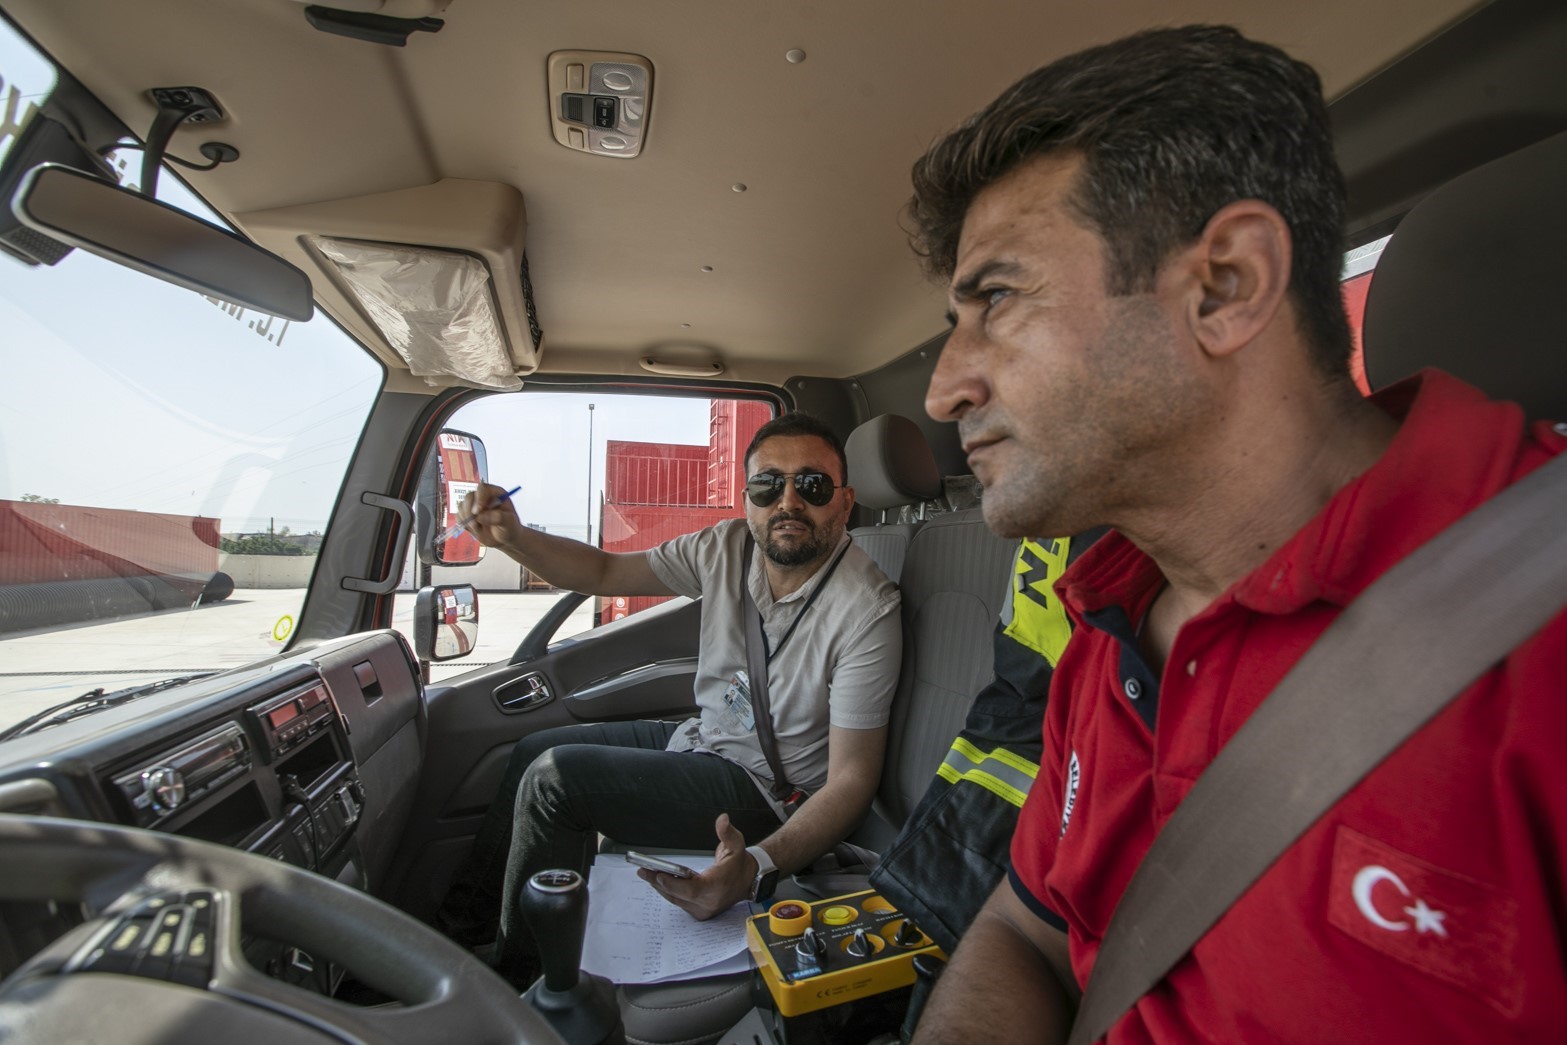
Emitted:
<point x="168" y="461"/>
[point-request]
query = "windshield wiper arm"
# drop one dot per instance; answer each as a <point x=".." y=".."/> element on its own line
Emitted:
<point x="92" y="701"/>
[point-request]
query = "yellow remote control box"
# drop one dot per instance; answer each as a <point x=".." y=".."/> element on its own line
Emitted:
<point x="815" y="955"/>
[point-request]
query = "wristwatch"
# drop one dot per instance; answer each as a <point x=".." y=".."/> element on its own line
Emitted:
<point x="766" y="881"/>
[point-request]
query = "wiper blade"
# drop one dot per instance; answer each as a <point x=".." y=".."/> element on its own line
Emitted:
<point x="90" y="702"/>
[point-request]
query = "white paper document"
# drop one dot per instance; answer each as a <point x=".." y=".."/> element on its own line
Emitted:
<point x="634" y="935"/>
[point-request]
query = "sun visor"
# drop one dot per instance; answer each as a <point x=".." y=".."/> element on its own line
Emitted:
<point x="433" y="278"/>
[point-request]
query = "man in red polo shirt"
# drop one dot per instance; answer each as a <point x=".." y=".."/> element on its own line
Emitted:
<point x="1142" y="242"/>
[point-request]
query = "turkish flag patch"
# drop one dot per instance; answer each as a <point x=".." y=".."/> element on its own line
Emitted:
<point x="1444" y="924"/>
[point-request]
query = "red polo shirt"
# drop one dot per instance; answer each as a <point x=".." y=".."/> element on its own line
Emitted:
<point x="1429" y="904"/>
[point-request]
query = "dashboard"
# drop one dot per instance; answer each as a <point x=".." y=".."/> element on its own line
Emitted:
<point x="311" y="758"/>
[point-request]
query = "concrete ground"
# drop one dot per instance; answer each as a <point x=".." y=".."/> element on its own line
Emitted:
<point x="44" y="667"/>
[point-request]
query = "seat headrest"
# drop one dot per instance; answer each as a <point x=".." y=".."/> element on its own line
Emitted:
<point x="1471" y="283"/>
<point x="890" y="463"/>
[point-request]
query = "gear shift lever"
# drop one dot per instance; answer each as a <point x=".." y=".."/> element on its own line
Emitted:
<point x="555" y="904"/>
<point x="581" y="1008"/>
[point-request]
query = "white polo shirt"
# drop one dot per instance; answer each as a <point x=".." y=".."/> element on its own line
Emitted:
<point x="839" y="667"/>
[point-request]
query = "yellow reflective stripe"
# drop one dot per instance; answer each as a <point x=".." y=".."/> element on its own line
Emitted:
<point x="1000" y="754"/>
<point x="999" y="788"/>
<point x="1000" y="771"/>
<point x="967" y="750"/>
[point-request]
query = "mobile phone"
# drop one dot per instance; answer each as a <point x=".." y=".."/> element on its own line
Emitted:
<point x="653" y="863"/>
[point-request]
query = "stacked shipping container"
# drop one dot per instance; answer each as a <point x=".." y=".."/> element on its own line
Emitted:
<point x="656" y="491"/>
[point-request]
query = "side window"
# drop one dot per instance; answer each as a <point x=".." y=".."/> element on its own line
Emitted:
<point x="1359" y="266"/>
<point x="621" y="472"/>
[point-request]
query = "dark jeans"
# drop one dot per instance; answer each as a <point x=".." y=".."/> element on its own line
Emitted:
<point x="563" y="787"/>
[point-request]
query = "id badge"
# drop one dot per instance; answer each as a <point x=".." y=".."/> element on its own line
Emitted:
<point x="738" y="698"/>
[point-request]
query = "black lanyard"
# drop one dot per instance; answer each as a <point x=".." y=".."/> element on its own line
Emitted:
<point x="745" y="585"/>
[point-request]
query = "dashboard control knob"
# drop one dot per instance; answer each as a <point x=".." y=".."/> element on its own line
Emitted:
<point x="165" y="788"/>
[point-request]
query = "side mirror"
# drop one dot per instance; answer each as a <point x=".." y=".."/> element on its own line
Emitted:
<point x="129" y="229"/>
<point x="446" y="622"/>
<point x="456" y="466"/>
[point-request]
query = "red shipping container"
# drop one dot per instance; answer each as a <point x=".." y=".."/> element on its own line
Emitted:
<point x="632" y="527"/>
<point x="732" y="423"/>
<point x="655" y="473"/>
<point x="41" y="543"/>
<point x="657" y="491"/>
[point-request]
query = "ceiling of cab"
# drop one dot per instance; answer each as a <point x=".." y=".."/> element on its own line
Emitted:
<point x="805" y="271"/>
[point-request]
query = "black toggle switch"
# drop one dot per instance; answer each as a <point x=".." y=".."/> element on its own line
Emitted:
<point x="604" y="112"/>
<point x="812" y="947"/>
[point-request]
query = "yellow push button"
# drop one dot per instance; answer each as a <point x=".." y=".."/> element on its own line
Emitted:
<point x="839" y="915"/>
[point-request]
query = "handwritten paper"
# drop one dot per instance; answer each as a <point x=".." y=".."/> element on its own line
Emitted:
<point x="634" y="935"/>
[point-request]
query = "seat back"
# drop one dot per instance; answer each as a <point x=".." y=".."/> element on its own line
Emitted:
<point x="953" y="575"/>
<point x="1470" y="279"/>
<point x="890" y="466"/>
<point x="955" y="579"/>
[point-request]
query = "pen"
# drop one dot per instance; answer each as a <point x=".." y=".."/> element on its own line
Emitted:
<point x="458" y="526"/>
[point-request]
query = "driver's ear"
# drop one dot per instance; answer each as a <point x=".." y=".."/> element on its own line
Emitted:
<point x="848" y="500"/>
<point x="1239" y="270"/>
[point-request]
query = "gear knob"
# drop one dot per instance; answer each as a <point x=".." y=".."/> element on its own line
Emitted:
<point x="555" y="904"/>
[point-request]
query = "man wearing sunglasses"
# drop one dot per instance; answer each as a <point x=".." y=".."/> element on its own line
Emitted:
<point x="831" y="640"/>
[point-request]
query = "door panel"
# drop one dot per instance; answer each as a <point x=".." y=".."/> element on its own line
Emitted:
<point x="639" y="667"/>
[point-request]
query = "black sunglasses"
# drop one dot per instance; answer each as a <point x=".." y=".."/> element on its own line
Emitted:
<point x="765" y="488"/>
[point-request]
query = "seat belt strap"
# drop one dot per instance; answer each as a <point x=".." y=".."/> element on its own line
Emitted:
<point x="1411" y="643"/>
<point x="756" y="668"/>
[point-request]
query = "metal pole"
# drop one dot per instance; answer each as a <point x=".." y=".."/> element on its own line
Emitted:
<point x="590" y="473"/>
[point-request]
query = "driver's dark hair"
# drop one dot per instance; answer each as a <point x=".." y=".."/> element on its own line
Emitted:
<point x="1172" y="125"/>
<point x="795" y="424"/>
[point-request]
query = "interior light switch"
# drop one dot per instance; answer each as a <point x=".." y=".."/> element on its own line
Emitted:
<point x="600" y="101"/>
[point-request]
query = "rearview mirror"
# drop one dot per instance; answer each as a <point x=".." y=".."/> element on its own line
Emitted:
<point x="154" y="238"/>
<point x="446" y="622"/>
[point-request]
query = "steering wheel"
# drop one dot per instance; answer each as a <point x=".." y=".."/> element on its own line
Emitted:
<point x="160" y="957"/>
